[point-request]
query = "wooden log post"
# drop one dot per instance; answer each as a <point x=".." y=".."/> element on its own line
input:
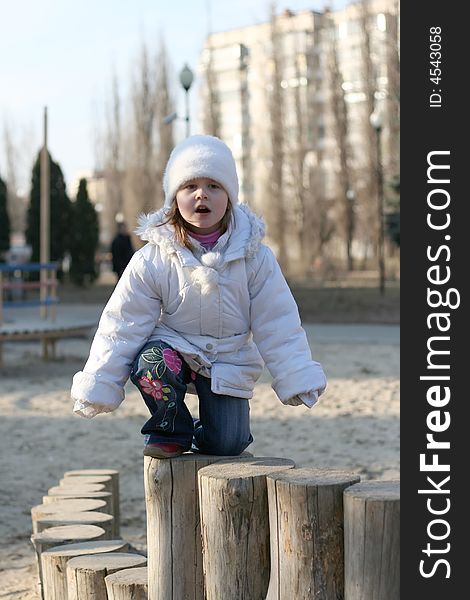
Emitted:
<point x="63" y="534"/>
<point x="233" y="504"/>
<point x="306" y="525"/>
<point x="55" y="559"/>
<point x="53" y="508"/>
<point x="173" y="525"/>
<point x="128" y="584"/>
<point x="80" y="495"/>
<point x="114" y="474"/>
<point x="372" y="540"/>
<point x="86" y="574"/>
<point x="78" y="518"/>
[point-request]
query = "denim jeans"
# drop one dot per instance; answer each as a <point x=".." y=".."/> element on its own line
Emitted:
<point x="162" y="376"/>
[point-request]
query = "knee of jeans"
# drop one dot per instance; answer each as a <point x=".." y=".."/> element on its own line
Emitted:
<point x="225" y="447"/>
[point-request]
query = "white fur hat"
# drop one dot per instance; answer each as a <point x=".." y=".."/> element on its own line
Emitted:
<point x="200" y="156"/>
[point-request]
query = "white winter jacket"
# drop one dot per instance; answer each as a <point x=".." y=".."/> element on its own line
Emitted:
<point x="225" y="313"/>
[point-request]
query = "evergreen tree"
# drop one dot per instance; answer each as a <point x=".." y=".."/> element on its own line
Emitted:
<point x="4" y="221"/>
<point x="60" y="210"/>
<point x="84" y="237"/>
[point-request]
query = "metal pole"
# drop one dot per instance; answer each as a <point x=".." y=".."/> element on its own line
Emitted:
<point x="187" y="112"/>
<point x="44" y="228"/>
<point x="380" y="213"/>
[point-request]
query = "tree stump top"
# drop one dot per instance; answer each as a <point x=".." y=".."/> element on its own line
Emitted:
<point x="379" y="490"/>
<point x="134" y="575"/>
<point x="107" y="560"/>
<point x="76" y="518"/>
<point x="84" y="480"/>
<point x="196" y="456"/>
<point x="68" y="532"/>
<point x="87" y="548"/>
<point x="76" y="493"/>
<point x="249" y="467"/>
<point x="91" y="472"/>
<point x="69" y="505"/>
<point x="58" y="490"/>
<point x="315" y="477"/>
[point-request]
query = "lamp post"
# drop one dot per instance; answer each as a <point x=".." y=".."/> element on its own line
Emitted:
<point x="376" y="122"/>
<point x="350" y="198"/>
<point x="186" y="80"/>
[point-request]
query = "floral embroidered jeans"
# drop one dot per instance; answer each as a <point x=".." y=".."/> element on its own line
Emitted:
<point x="162" y="376"/>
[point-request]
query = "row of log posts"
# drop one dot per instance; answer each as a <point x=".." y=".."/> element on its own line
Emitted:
<point x="69" y="527"/>
<point x="264" y="522"/>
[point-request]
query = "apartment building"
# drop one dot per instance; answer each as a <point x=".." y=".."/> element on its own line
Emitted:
<point x="292" y="97"/>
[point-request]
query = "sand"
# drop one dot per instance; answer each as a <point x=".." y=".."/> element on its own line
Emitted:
<point x="354" y="427"/>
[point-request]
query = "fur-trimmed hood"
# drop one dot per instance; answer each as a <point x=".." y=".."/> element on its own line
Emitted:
<point x="246" y="231"/>
<point x="242" y="240"/>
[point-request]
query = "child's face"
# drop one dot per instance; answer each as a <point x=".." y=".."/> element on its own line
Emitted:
<point x="202" y="203"/>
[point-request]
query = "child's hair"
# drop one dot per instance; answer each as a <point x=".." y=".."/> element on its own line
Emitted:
<point x="181" y="227"/>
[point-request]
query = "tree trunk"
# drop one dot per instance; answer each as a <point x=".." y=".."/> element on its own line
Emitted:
<point x="235" y="527"/>
<point x="54" y="563"/>
<point x="114" y="474"/>
<point x="173" y="526"/>
<point x="372" y="540"/>
<point x="128" y="584"/>
<point x="53" y="508"/>
<point x="78" y="518"/>
<point x="86" y="574"/>
<point x="306" y="523"/>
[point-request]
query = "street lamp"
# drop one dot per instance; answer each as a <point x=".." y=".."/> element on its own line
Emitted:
<point x="376" y="122"/>
<point x="186" y="80"/>
<point x="350" y="198"/>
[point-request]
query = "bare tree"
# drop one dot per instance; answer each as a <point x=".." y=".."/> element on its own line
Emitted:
<point x="141" y="163"/>
<point x="339" y="112"/>
<point x="113" y="169"/>
<point x="368" y="193"/>
<point x="317" y="225"/>
<point x="211" y="115"/>
<point x="164" y="107"/>
<point x="14" y="160"/>
<point x="275" y="216"/>
<point x="295" y="159"/>
<point x="392" y="100"/>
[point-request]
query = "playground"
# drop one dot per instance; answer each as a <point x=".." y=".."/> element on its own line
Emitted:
<point x="355" y="428"/>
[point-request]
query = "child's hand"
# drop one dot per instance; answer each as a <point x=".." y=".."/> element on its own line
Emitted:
<point x="294" y="401"/>
<point x="309" y="399"/>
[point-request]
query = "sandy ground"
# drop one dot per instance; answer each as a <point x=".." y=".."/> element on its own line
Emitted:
<point x="355" y="427"/>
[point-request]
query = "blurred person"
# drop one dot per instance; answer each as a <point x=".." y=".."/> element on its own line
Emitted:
<point x="199" y="309"/>
<point x="121" y="249"/>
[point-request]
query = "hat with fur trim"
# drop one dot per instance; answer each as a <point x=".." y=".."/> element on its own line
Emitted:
<point x="200" y="156"/>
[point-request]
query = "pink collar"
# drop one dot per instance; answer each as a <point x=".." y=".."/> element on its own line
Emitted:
<point x="206" y="239"/>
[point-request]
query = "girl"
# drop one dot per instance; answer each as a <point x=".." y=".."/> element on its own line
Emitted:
<point x="198" y="309"/>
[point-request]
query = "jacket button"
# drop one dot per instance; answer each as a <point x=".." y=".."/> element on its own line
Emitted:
<point x="209" y="346"/>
